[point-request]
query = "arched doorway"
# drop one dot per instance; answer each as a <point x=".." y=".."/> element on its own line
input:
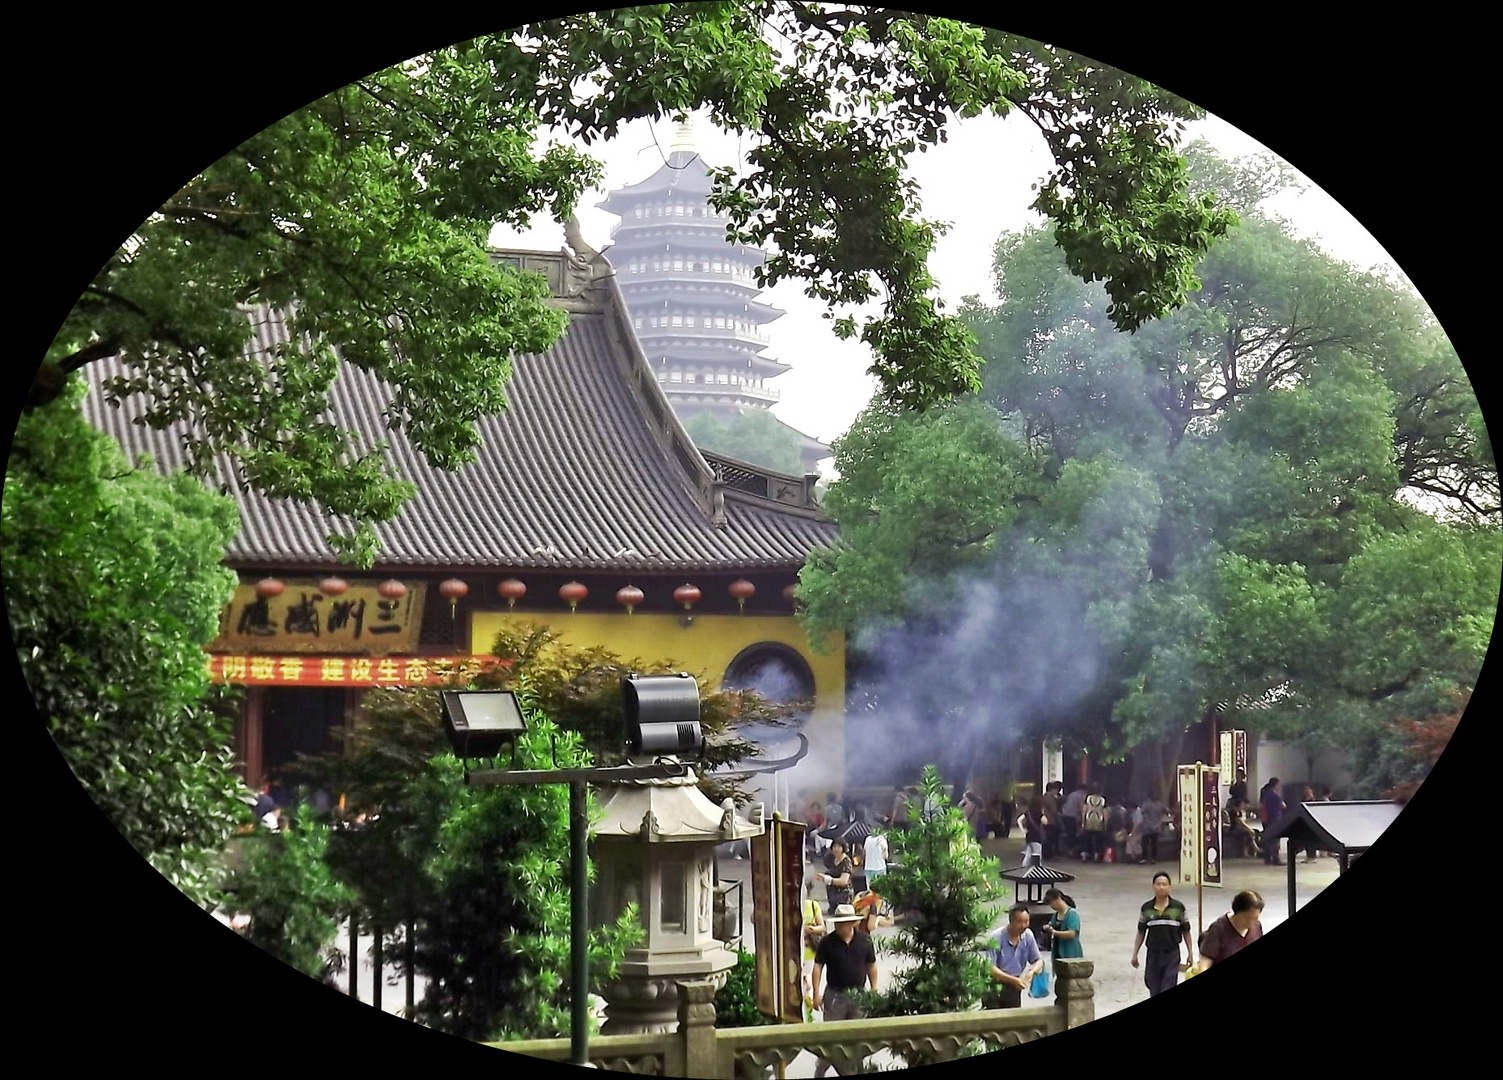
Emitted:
<point x="780" y="674"/>
<point x="775" y="671"/>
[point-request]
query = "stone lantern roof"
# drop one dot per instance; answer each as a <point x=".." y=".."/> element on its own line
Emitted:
<point x="669" y="811"/>
<point x="1035" y="872"/>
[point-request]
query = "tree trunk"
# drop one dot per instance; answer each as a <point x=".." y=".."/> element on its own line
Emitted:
<point x="1169" y="774"/>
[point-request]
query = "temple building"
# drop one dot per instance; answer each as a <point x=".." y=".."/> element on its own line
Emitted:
<point x="692" y="295"/>
<point x="588" y="510"/>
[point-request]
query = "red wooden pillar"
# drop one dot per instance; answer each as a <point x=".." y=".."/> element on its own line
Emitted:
<point x="1083" y="769"/>
<point x="252" y="728"/>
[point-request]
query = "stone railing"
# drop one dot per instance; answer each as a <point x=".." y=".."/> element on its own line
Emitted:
<point x="699" y="1049"/>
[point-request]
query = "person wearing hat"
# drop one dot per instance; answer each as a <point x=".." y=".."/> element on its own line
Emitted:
<point x="851" y="960"/>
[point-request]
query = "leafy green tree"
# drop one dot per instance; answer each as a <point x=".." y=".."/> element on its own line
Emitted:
<point x="494" y="938"/>
<point x="940" y="886"/>
<point x="113" y="586"/>
<point x="293" y="898"/>
<point x="1224" y="506"/>
<point x="754" y="436"/>
<point x="399" y="764"/>
<point x="365" y="215"/>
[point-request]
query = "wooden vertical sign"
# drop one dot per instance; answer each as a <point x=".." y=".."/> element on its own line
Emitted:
<point x="778" y="919"/>
<point x="788" y="841"/>
<point x="764" y="922"/>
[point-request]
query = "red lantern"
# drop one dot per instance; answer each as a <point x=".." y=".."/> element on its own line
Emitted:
<point x="573" y="593"/>
<point x="333" y="586"/>
<point x="629" y="597"/>
<point x="453" y="590"/>
<point x="511" y="590"/>
<point x="268" y="587"/>
<point x="687" y="595"/>
<point x="392" y="589"/>
<point x="743" y="591"/>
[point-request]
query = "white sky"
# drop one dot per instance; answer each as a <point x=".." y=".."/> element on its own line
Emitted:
<point x="979" y="182"/>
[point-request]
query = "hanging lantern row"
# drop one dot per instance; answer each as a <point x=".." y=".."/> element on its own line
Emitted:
<point x="572" y="594"/>
<point x="629" y="597"/>
<point x="511" y="590"/>
<point x="453" y="590"/>
<point x="743" y="591"/>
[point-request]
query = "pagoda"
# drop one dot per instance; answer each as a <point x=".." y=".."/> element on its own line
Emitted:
<point x="692" y="294"/>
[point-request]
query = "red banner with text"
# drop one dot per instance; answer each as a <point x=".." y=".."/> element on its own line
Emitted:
<point x="352" y="671"/>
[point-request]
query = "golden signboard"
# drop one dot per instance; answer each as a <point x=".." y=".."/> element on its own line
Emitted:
<point x="302" y="619"/>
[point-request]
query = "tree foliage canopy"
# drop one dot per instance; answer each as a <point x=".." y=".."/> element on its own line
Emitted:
<point x="755" y="436"/>
<point x="1278" y="501"/>
<point x="113" y="584"/>
<point x="366" y="215"/>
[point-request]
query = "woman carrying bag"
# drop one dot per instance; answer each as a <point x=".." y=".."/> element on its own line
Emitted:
<point x="1064" y="935"/>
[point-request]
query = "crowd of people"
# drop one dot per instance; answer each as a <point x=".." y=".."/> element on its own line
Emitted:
<point x="852" y="852"/>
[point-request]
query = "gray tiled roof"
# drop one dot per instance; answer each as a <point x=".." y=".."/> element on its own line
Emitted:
<point x="586" y="470"/>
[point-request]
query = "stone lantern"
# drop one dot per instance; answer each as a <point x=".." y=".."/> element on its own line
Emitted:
<point x="1031" y="881"/>
<point x="655" y="847"/>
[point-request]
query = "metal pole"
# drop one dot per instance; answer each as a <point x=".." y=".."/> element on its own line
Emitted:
<point x="380" y="967"/>
<point x="579" y="956"/>
<point x="411" y="945"/>
<point x="354" y="955"/>
<point x="1291" y="881"/>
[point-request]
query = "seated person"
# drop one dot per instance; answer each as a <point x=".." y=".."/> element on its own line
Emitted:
<point x="1241" y="836"/>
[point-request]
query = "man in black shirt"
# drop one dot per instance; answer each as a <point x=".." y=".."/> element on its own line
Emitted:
<point x="852" y="963"/>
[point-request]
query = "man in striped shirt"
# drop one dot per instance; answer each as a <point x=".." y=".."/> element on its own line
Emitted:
<point x="1162" y="924"/>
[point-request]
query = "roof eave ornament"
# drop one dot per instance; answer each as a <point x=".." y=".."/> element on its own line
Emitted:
<point x="583" y="265"/>
<point x="651" y="832"/>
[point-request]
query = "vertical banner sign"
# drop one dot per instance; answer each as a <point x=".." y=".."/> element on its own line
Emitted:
<point x="764" y="923"/>
<point x="1226" y="759"/>
<point x="1210" y="815"/>
<point x="1239" y="753"/>
<point x="1054" y="762"/>
<point x="1191" y="823"/>
<point x="789" y="845"/>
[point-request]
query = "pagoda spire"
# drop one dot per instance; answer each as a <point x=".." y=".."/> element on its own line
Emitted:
<point x="684" y="140"/>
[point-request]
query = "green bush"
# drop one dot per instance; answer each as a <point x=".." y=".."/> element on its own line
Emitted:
<point x="736" y="1001"/>
<point x="294" y="900"/>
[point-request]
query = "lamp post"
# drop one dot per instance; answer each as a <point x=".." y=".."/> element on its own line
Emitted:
<point x="479" y="722"/>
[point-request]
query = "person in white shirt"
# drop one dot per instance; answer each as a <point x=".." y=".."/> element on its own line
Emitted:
<point x="874" y="855"/>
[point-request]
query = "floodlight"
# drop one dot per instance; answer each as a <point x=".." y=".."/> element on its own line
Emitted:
<point x="480" y="722"/>
<point x="662" y="715"/>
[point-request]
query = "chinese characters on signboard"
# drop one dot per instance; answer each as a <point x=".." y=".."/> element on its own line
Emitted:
<point x="1232" y="758"/>
<point x="789" y="842"/>
<point x="1189" y="819"/>
<point x="259" y="670"/>
<point x="1054" y="762"/>
<point x="303" y="619"/>
<point x="764" y="922"/>
<point x="1200" y="826"/>
<point x="777" y="868"/>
